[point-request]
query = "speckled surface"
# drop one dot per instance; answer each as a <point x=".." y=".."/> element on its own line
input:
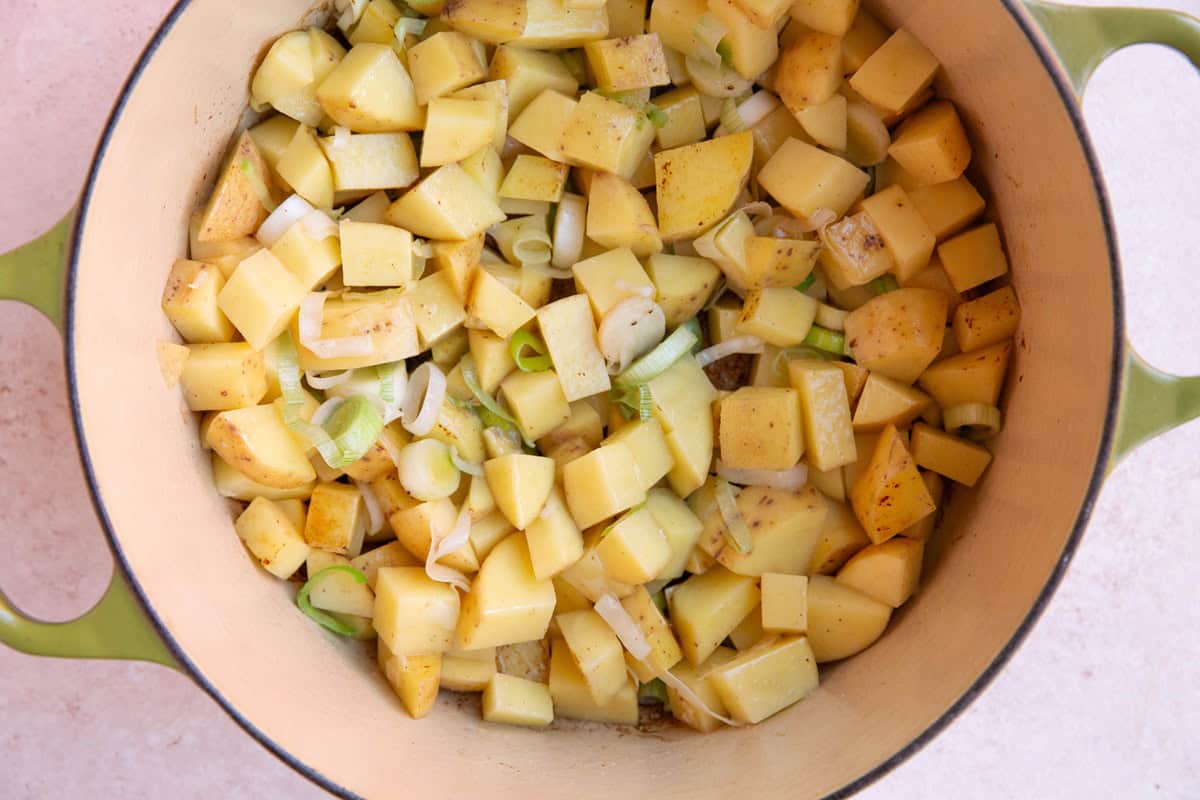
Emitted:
<point x="1100" y="701"/>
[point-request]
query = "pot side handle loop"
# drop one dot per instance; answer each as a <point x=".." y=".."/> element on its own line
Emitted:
<point x="1152" y="402"/>
<point x="116" y="627"/>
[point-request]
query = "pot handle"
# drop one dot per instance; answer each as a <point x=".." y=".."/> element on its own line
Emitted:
<point x="117" y="626"/>
<point x="1152" y="402"/>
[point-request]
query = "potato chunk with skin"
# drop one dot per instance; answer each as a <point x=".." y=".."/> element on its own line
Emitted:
<point x="805" y="179"/>
<point x="698" y="184"/>
<point x="841" y="537"/>
<point x="903" y="229"/>
<point x="651" y="453"/>
<point x="825" y="413"/>
<point x="493" y="21"/>
<point x="371" y="92"/>
<point x="521" y="484"/>
<point x="337" y="519"/>
<point x="443" y="63"/>
<point x="809" y="71"/>
<point x="682" y="284"/>
<point x="597" y="652"/>
<point x="761" y="428"/>
<point x="764" y="13"/>
<point x="887" y="402"/>
<point x="619" y="216"/>
<point x="784" y="528"/>
<point x="752" y="49"/>
<point x="609" y="278"/>
<point x="973" y="257"/>
<point x="633" y="549"/>
<point x="234" y="208"/>
<point x="230" y="482"/>
<point x="632" y="62"/>
<point x="699" y="680"/>
<point x="889" y="495"/>
<point x="414" y="526"/>
<point x="220" y="377"/>
<point x="454" y="129"/>
<point x="535" y="178"/>
<point x="190" y="301"/>
<point x="255" y="442"/>
<point x="932" y="144"/>
<point x="682" y="403"/>
<point x="782" y="317"/>
<point x="311" y="259"/>
<point x="888" y="572"/>
<point x="515" y="701"/>
<point x="536" y="400"/>
<point x="957" y="459"/>
<point x="685" y="118"/>
<point x="292" y="69"/>
<point x="767" y="678"/>
<point x="854" y="252"/>
<point x="898" y="334"/>
<point x="987" y="320"/>
<point x="496" y="306"/>
<point x="664" y="650"/>
<point x="897" y="74"/>
<point x="975" y="377"/>
<point x="415" y="679"/>
<point x="414" y="614"/>
<point x="842" y="621"/>
<point x="606" y="135"/>
<point x="774" y="263"/>
<point x="506" y="604"/>
<point x="385" y="316"/>
<point x="448" y="204"/>
<point x="830" y="16"/>
<point x="601" y="484"/>
<point x="271" y="538"/>
<point x="573" y="698"/>
<point x="705" y="608"/>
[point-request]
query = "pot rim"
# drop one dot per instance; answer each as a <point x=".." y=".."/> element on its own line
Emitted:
<point x="1050" y="63"/>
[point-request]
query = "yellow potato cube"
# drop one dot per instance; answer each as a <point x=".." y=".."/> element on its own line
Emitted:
<point x="889" y="495"/>
<point x="948" y="207"/>
<point x="782" y="317"/>
<point x="385" y="316"/>
<point x="854" y="252"/>
<point x="752" y="49"/>
<point x="443" y="63"/>
<point x="515" y="701"/>
<point x="537" y="402"/>
<point x="596" y="651"/>
<point x="974" y="257"/>
<point x="535" y="178"/>
<point x="233" y="483"/>
<point x="373" y="208"/>
<point x="304" y="166"/>
<point x="651" y="454"/>
<point x="234" y="208"/>
<point x="698" y="184"/>
<point x="887" y="402"/>
<point x="842" y="621"/>
<point x="773" y="263"/>
<point x="366" y="161"/>
<point x="458" y="260"/>
<point x="705" y="608"/>
<point x="922" y="530"/>
<point x="551" y="25"/>
<point x="975" y="377"/>
<point x="257" y="444"/>
<point x="772" y="131"/>
<point x="887" y="572"/>
<point x="414" y="614"/>
<point x="584" y="423"/>
<point x="809" y="72"/>
<point x="260" y="298"/>
<point x="190" y="302"/>
<point x="529" y="73"/>
<point x="831" y="16"/>
<point x="414" y="677"/>
<point x="554" y="540"/>
<point x="392" y="554"/>
<point x="784" y="603"/>
<point x="527" y="660"/>
<point x="495" y="94"/>
<point x="506" y="604"/>
<point x="454" y="129"/>
<point x="224" y="255"/>
<point x="436" y="307"/>
<point x="749" y="631"/>
<point x="632" y="62"/>
<point x="488" y="532"/>
<point x="521" y="484"/>
<point x="957" y="459"/>
<point x="761" y="428"/>
<point x="682" y="403"/>
<point x="587" y="576"/>
<point x="377" y="24"/>
<point x="903" y="229"/>
<point x="934" y="277"/>
<point x="766" y="679"/>
<point x="633" y="550"/>
<point x="573" y="698"/>
<point x="224" y="376"/>
<point x="448" y="204"/>
<point x="271" y="538"/>
<point x="898" y="334"/>
<point x="685" y="118"/>
<point x="932" y="145"/>
<point x="764" y="13"/>
<point x="375" y="255"/>
<point x="825" y="412"/>
<point x="497" y="307"/>
<point x="677" y="522"/>
<point x="804" y="179"/>
<point x="682" y="284"/>
<point x="468" y="670"/>
<point x="841" y="537"/>
<point x="336" y="520"/>
<point x="541" y="124"/>
<point x="784" y="529"/>
<point x="415" y="524"/>
<point x="609" y="278"/>
<point x="618" y="216"/>
<point x="601" y="484"/>
<point x="606" y="135"/>
<point x="493" y="362"/>
<point x="897" y="74"/>
<point x="987" y="320"/>
<point x="289" y="74"/>
<point x="699" y="680"/>
<point x="371" y="92"/>
<point x="865" y="35"/>
<point x="664" y="650"/>
<point x="313" y="261"/>
<point x="486" y="170"/>
<point x="493" y="21"/>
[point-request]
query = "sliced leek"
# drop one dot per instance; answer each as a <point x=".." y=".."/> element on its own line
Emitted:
<point x="325" y="620"/>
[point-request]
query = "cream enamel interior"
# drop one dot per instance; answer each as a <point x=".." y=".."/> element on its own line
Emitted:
<point x="323" y="702"/>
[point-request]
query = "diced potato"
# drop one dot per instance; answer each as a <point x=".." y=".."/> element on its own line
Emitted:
<point x="373" y="208"/>
<point x="675" y="21"/>
<point x="225" y="255"/>
<point x="618" y="216"/>
<point x="934" y="277"/>
<point x="392" y="554"/>
<point x="488" y="532"/>
<point x="809" y="71"/>
<point x="271" y="538"/>
<point x="784" y="603"/>
<point x="220" y="377"/>
<point x="854" y="252"/>
<point x="377" y="24"/>
<point x="782" y="317"/>
<point x="375" y="255"/>
<point x="371" y="92"/>
<point x="448" y="204"/>
<point x="767" y="678"/>
<point x="825" y="412"/>
<point x="829" y="482"/>
<point x="784" y="528"/>
<point x="957" y="459"/>
<point x="903" y="229"/>
<point x="842" y="621"/>
<point x="436" y="308"/>
<point x="535" y="178"/>
<point x="804" y="179"/>
<point x="414" y="677"/>
<point x="232" y="483"/>
<point x="752" y="49"/>
<point x="290" y="73"/>
<point x="587" y="575"/>
<point x="554" y="540"/>
<point x="889" y="495"/>
<point x="772" y="131"/>
<point x="256" y="443"/>
<point x="898" y="334"/>
<point x="922" y="530"/>
<point x="506" y="604"/>
<point x="699" y="680"/>
<point x="683" y="284"/>
<point x="485" y="168"/>
<point x="887" y="402"/>
<point x="385" y="317"/>
<point x="584" y="423"/>
<point x="515" y="701"/>
<point x="337" y="519"/>
<point x="664" y="650"/>
<point x="338" y="592"/>
<point x="764" y="13"/>
<point x="537" y="402"/>
<point x="761" y="428"/>
<point x="234" y="209"/>
<point x="521" y="484"/>
<point x="573" y="698"/>
<point x="606" y="135"/>
<point x="609" y="278"/>
<point x="698" y="184"/>
<point x="495" y="93"/>
<point x="260" y="298"/>
<point x="527" y="660"/>
<point x="551" y="25"/>
<point x="414" y="614"/>
<point x="932" y="145"/>
<point x="596" y="651"/>
<point x="975" y="377"/>
<point x="705" y="608"/>
<point x="304" y="166"/>
<point x="493" y="363"/>
<point x="897" y="74"/>
<point x="528" y="74"/>
<point x="632" y="62"/>
<point x="772" y="262"/>
<point x="601" y="484"/>
<point x="749" y="631"/>
<point x="190" y="302"/>
<point x="948" y="207"/>
<point x="826" y="122"/>
<point x="651" y="453"/>
<point x="443" y="63"/>
<point x="865" y="35"/>
<point x="415" y="524"/>
<point x="313" y="261"/>
<point x="458" y="260"/>
<point x="841" y="538"/>
<point x="493" y="21"/>
<point x="987" y="320"/>
<point x="685" y="118"/>
<point x="497" y="307"/>
<point x="974" y="257"/>
<point x="682" y="398"/>
<point x="680" y="526"/>
<point x="723" y="317"/>
<point x="368" y="161"/>
<point x="468" y="670"/>
<point x="633" y="549"/>
<point x="455" y="129"/>
<point x="890" y="173"/>
<point x="887" y="572"/>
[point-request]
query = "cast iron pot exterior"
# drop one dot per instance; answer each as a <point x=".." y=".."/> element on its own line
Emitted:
<point x="317" y="702"/>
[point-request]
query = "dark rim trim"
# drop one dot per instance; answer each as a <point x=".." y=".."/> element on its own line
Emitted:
<point x="1070" y="104"/>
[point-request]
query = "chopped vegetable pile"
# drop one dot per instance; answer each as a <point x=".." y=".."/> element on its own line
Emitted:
<point x="591" y="356"/>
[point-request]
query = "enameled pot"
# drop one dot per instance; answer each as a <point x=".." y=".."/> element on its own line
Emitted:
<point x="186" y="596"/>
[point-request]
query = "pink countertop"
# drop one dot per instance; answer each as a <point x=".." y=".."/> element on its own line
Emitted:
<point x="1102" y="700"/>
